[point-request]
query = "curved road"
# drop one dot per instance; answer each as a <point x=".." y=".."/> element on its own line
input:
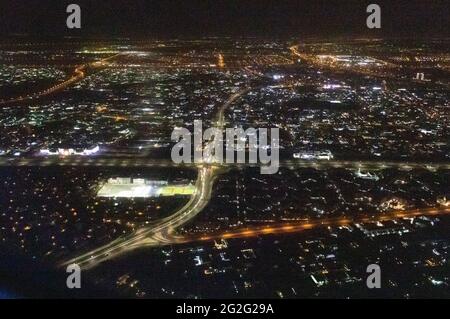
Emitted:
<point x="293" y="227"/>
<point x="163" y="231"/>
<point x="146" y="236"/>
<point x="78" y="74"/>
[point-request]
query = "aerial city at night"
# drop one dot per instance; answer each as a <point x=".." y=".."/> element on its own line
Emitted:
<point x="226" y="166"/>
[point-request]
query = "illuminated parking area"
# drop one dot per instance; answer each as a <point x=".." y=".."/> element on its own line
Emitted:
<point x="125" y="187"/>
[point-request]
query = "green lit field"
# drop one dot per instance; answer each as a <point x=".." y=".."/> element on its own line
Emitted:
<point x="177" y="190"/>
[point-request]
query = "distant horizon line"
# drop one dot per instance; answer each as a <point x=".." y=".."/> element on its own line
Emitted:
<point x="212" y="37"/>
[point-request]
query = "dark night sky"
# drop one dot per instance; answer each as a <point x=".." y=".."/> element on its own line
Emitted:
<point x="152" y="18"/>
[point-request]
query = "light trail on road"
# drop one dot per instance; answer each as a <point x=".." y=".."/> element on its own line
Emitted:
<point x="144" y="236"/>
<point x="154" y="235"/>
<point x="78" y="74"/>
<point x="98" y="161"/>
<point x="294" y="227"/>
<point x="163" y="232"/>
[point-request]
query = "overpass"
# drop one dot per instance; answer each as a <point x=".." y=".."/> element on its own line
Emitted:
<point x="163" y="232"/>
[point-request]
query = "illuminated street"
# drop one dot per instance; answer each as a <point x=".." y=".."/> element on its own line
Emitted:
<point x="205" y="151"/>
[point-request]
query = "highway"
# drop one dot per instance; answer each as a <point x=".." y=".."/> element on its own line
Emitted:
<point x="293" y="227"/>
<point x="163" y="232"/>
<point x="99" y="161"/>
<point x="148" y="236"/>
<point x="78" y="74"/>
